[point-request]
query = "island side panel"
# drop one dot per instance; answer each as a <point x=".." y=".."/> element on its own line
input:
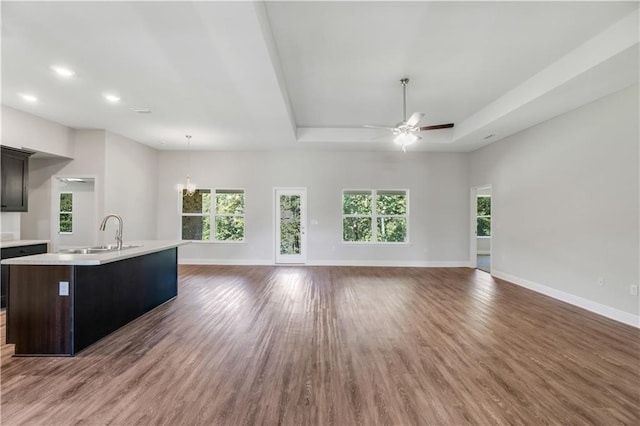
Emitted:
<point x="38" y="318"/>
<point x="111" y="295"/>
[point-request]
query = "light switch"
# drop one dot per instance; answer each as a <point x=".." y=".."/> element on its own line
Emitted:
<point x="63" y="289"/>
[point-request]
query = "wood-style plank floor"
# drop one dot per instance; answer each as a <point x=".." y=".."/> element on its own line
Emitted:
<point x="339" y="346"/>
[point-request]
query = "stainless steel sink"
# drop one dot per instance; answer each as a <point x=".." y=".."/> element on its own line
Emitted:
<point x="87" y="250"/>
<point x="97" y="249"/>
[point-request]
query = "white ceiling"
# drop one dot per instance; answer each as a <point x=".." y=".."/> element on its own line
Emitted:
<point x="297" y="75"/>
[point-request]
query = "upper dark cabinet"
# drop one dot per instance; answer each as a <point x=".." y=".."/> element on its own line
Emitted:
<point x="15" y="180"/>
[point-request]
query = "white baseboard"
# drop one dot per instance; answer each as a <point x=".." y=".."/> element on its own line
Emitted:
<point x="393" y="263"/>
<point x="589" y="305"/>
<point x="383" y="263"/>
<point x="197" y="261"/>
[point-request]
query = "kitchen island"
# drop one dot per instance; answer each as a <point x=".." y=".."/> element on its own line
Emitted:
<point x="61" y="303"/>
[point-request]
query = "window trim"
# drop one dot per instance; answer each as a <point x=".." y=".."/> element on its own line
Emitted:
<point x="61" y="212"/>
<point x="212" y="215"/>
<point x="374" y="217"/>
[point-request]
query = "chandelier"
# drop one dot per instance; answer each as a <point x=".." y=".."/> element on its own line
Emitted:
<point x="190" y="188"/>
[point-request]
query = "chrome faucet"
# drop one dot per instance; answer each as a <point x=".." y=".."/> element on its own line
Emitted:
<point x="103" y="225"/>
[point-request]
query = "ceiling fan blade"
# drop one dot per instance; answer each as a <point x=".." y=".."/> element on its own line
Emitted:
<point x="391" y="129"/>
<point x="415" y="118"/>
<point x="437" y="126"/>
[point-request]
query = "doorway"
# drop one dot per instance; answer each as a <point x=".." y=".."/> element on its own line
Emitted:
<point x="481" y="235"/>
<point x="290" y="226"/>
<point x="73" y="212"/>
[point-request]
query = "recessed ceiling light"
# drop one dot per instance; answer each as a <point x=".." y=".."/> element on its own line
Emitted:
<point x="63" y="71"/>
<point x="111" y="97"/>
<point x="28" y="97"/>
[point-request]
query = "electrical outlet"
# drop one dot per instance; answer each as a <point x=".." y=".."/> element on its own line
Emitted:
<point x="601" y="281"/>
<point x="633" y="290"/>
<point x="63" y="288"/>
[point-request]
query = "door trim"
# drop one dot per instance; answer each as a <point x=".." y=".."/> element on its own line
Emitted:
<point x="54" y="218"/>
<point x="473" y="240"/>
<point x="302" y="259"/>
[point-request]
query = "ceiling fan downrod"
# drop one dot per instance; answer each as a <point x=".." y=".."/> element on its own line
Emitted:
<point x="404" y="82"/>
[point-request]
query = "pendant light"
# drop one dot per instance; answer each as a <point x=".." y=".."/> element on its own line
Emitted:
<point x="190" y="188"/>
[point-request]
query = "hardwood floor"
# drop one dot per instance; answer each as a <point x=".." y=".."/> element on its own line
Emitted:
<point x="339" y="345"/>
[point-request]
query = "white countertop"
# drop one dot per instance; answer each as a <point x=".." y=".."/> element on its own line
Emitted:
<point x="147" y="247"/>
<point x="19" y="243"/>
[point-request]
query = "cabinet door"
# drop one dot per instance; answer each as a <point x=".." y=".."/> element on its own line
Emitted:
<point x="15" y="175"/>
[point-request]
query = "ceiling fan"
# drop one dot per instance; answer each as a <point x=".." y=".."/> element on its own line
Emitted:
<point x="406" y="132"/>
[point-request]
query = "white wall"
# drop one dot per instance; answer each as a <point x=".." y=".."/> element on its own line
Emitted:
<point x="483" y="245"/>
<point x="9" y="226"/>
<point x="439" y="202"/>
<point x="130" y="187"/>
<point x="88" y="162"/>
<point x="23" y="130"/>
<point x="84" y="214"/>
<point x="565" y="205"/>
<point x="124" y="173"/>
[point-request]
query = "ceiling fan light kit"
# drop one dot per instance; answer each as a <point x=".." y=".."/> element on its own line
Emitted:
<point x="407" y="131"/>
<point x="406" y="138"/>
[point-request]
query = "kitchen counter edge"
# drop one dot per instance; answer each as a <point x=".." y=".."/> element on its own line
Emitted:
<point x="147" y="247"/>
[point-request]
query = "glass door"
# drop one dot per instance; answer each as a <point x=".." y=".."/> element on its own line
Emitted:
<point x="291" y="213"/>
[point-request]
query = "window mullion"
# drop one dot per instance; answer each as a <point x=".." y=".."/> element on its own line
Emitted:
<point x="212" y="216"/>
<point x="374" y="216"/>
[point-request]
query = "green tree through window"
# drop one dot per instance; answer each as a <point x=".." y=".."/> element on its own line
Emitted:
<point x="229" y="217"/>
<point x="66" y="212"/>
<point x="391" y="209"/>
<point x="290" y="235"/>
<point x="357" y="221"/>
<point x="484" y="216"/>
<point x="383" y="221"/>
<point x="196" y="215"/>
<point x="222" y="208"/>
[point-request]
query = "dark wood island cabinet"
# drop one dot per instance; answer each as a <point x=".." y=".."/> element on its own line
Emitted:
<point x="20" y="248"/>
<point x="61" y="304"/>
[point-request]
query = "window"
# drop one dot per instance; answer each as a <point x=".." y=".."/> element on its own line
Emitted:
<point x="196" y="215"/>
<point x="483" y="216"/>
<point x="225" y="210"/>
<point x="229" y="215"/>
<point x="66" y="213"/>
<point x="357" y="216"/>
<point x="378" y="216"/>
<point x="391" y="216"/>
